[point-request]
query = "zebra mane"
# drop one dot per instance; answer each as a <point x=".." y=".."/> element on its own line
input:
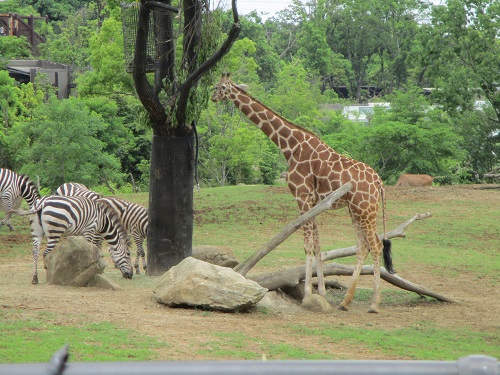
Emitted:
<point x="115" y="219"/>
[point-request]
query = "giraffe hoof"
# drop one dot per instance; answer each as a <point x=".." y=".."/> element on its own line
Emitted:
<point x="35" y="280"/>
<point x="373" y="311"/>
<point x="343" y="308"/>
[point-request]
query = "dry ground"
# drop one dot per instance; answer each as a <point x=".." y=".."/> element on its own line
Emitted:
<point x="478" y="305"/>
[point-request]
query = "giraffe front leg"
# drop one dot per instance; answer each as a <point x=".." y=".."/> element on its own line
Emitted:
<point x="318" y="261"/>
<point x="308" y="248"/>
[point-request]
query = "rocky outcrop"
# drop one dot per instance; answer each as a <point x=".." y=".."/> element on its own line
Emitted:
<point x="196" y="283"/>
<point x="74" y="262"/>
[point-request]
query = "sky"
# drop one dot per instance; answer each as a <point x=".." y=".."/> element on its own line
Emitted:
<point x="270" y="6"/>
<point x="267" y="6"/>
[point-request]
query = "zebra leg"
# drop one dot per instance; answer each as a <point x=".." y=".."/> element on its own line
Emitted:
<point x="138" y="240"/>
<point x="6" y="221"/>
<point x="36" y="248"/>
<point x="7" y="203"/>
<point x="37" y="236"/>
<point x="51" y="243"/>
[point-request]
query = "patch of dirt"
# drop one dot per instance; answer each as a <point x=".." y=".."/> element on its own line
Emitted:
<point x="187" y="331"/>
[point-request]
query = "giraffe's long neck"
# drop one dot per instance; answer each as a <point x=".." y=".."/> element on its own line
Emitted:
<point x="284" y="134"/>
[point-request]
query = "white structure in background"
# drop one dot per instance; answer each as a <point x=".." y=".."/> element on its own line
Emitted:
<point x="362" y="112"/>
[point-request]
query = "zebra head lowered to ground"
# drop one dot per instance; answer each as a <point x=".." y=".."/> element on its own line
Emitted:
<point x="133" y="216"/>
<point x="12" y="186"/>
<point x="57" y="216"/>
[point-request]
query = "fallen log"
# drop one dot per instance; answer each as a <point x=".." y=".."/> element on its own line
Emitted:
<point x="292" y="276"/>
<point x="324" y="205"/>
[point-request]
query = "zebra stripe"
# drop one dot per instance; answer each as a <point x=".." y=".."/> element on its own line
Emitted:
<point x="57" y="216"/>
<point x="71" y="189"/>
<point x="12" y="186"/>
<point x="135" y="219"/>
<point x="133" y="216"/>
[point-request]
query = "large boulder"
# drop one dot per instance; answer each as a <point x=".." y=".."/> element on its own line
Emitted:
<point x="196" y="283"/>
<point x="219" y="255"/>
<point x="74" y="262"/>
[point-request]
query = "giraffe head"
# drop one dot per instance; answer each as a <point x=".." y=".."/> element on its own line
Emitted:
<point x="223" y="88"/>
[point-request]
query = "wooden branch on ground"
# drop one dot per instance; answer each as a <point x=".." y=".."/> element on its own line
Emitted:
<point x="398" y="232"/>
<point x="324" y="205"/>
<point x="292" y="276"/>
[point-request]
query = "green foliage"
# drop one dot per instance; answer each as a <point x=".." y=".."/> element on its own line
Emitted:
<point x="69" y="43"/>
<point x="229" y="149"/>
<point x="12" y="47"/>
<point x="294" y="95"/>
<point x="108" y="62"/>
<point x="9" y="100"/>
<point x="240" y="62"/>
<point x="411" y="137"/>
<point x="60" y="144"/>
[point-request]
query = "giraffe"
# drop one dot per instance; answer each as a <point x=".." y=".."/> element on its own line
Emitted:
<point x="316" y="170"/>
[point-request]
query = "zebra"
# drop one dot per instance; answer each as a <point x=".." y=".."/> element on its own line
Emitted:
<point x="135" y="219"/>
<point x="12" y="186"/>
<point x="74" y="188"/>
<point x="56" y="216"/>
<point x="133" y="216"/>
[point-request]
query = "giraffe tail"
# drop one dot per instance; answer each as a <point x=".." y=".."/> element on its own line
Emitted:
<point x="386" y="252"/>
<point x="387" y="256"/>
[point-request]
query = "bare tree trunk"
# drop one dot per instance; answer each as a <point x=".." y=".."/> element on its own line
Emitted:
<point x="292" y="276"/>
<point x="171" y="178"/>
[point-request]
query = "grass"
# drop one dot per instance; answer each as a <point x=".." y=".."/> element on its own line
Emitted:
<point x="41" y="336"/>
<point x="424" y="340"/>
<point x="461" y="237"/>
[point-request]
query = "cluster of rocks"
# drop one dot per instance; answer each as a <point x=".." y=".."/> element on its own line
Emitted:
<point x="206" y="280"/>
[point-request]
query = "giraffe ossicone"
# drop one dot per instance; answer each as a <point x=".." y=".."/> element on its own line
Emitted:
<point x="316" y="170"/>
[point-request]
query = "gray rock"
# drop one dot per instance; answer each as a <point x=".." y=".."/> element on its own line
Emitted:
<point x="74" y="262"/>
<point x="219" y="255"/>
<point x="199" y="284"/>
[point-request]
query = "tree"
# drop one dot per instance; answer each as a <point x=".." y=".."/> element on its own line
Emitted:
<point x="294" y="95"/>
<point x="107" y="60"/>
<point x="173" y="103"/>
<point x="411" y="137"/>
<point x="60" y="144"/>
<point x="13" y="47"/>
<point x="461" y="59"/>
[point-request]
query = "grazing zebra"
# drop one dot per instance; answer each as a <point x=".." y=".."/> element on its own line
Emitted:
<point x="12" y="186"/>
<point x="133" y="216"/>
<point x="135" y="219"/>
<point x="56" y="216"/>
<point x="71" y="189"/>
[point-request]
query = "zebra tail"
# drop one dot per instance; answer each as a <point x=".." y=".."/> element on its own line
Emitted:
<point x="21" y="212"/>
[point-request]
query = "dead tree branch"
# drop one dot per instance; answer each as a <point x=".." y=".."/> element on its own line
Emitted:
<point x="398" y="232"/>
<point x="324" y="205"/>
<point x="292" y="276"/>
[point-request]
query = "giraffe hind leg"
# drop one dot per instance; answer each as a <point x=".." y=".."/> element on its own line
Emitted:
<point x="361" y="254"/>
